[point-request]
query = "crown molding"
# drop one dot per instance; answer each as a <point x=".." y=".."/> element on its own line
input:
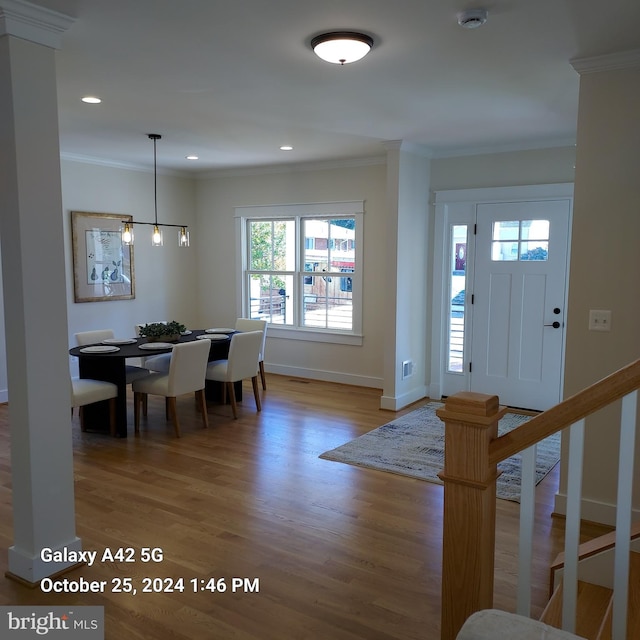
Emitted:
<point x="292" y="168"/>
<point x="607" y="62"/>
<point x="127" y="166"/>
<point x="34" y="23"/>
<point x="545" y="143"/>
<point x="409" y="147"/>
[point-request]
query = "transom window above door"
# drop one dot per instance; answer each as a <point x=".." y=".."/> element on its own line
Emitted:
<point x="520" y="240"/>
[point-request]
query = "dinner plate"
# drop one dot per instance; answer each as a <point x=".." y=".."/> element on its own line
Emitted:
<point x="154" y="346"/>
<point x="99" y="348"/>
<point x="213" y="336"/>
<point x="220" y="330"/>
<point x="185" y="333"/>
<point x="119" y="341"/>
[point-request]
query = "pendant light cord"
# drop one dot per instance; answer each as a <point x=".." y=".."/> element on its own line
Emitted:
<point x="155" y="181"/>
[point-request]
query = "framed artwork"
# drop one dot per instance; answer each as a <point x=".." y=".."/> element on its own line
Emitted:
<point x="102" y="264"/>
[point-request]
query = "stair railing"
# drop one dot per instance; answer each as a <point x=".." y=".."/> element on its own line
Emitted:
<point x="472" y="452"/>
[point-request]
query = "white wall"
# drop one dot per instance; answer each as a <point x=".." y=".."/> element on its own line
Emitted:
<point x="165" y="277"/>
<point x="217" y="198"/>
<point x="605" y="267"/>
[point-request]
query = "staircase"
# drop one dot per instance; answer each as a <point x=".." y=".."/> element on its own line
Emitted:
<point x="595" y="589"/>
<point x="473" y="450"/>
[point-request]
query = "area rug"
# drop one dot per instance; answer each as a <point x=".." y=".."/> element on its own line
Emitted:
<point x="413" y="445"/>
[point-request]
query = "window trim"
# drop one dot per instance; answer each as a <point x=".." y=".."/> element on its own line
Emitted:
<point x="351" y="208"/>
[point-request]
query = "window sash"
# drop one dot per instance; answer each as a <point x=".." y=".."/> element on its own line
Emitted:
<point x="293" y="323"/>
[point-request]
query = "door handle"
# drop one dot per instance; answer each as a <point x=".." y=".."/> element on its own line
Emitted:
<point x="555" y="325"/>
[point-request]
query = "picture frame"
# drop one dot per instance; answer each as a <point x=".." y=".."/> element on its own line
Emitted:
<point x="102" y="263"/>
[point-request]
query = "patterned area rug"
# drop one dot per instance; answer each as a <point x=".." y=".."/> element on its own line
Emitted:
<point x="413" y="445"/>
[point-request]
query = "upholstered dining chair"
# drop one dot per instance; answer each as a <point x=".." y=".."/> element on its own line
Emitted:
<point x="186" y="374"/>
<point x="158" y="363"/>
<point x="247" y="324"/>
<point x="85" y="338"/>
<point x="87" y="391"/>
<point x="241" y="363"/>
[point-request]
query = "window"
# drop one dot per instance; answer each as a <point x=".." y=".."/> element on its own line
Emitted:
<point x="457" y="287"/>
<point x="295" y="264"/>
<point x="520" y="240"/>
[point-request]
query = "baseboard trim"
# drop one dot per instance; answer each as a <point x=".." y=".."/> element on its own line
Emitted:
<point x="591" y="510"/>
<point x="326" y="376"/>
<point x="395" y="403"/>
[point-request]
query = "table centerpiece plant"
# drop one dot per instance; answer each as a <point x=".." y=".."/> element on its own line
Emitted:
<point x="162" y="331"/>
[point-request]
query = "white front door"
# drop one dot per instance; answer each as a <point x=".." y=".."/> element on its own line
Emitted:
<point x="519" y="293"/>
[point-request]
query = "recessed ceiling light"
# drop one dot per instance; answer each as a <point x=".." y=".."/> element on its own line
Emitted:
<point x="192" y="157"/>
<point x="286" y="147"/>
<point x="91" y="100"/>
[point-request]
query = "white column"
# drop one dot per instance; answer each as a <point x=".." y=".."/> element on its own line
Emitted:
<point x="33" y="271"/>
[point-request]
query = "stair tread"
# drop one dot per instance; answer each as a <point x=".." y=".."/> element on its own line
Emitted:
<point x="592" y="604"/>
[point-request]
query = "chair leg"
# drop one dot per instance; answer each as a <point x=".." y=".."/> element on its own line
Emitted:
<point x="112" y="417"/>
<point x="262" y="378"/>
<point x="83" y="426"/>
<point x="173" y="413"/>
<point x="232" y="397"/>
<point x="138" y="401"/>
<point x="201" y="402"/>
<point x="256" y="392"/>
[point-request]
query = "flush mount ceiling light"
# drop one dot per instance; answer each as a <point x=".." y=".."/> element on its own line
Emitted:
<point x="472" y="18"/>
<point x="342" y="47"/>
<point x="91" y="99"/>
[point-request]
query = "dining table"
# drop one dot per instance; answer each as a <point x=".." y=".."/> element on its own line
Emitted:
<point x="107" y="360"/>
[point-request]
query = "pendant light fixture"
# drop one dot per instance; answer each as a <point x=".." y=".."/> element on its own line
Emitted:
<point x="342" y="47"/>
<point x="157" y="239"/>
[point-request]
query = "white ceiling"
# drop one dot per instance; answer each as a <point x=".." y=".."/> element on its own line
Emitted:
<point x="233" y="80"/>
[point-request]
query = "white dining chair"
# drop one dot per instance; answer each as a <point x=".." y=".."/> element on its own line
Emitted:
<point x="248" y="324"/>
<point x="241" y="363"/>
<point x="186" y="374"/>
<point x="85" y="338"/>
<point x="86" y="391"/>
<point x="158" y="363"/>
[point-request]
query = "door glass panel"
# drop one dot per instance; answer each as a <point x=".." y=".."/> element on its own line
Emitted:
<point x="501" y="251"/>
<point x="457" y="285"/>
<point x="520" y="240"/>
<point x="506" y="230"/>
<point x="536" y="250"/>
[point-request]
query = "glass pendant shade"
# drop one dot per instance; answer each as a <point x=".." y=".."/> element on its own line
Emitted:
<point x="342" y="47"/>
<point x="127" y="235"/>
<point x="156" y="238"/>
<point x="183" y="237"/>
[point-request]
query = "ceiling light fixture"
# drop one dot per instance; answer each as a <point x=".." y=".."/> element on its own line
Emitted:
<point x="156" y="236"/>
<point x="286" y="147"/>
<point x="342" y="47"/>
<point x="91" y="100"/>
<point x="472" y="18"/>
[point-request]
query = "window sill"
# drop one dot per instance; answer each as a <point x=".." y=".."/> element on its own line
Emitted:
<point x="311" y="335"/>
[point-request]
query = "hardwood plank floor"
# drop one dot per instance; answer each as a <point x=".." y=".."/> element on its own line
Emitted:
<point x="340" y="552"/>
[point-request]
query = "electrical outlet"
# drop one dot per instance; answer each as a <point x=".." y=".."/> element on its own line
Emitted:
<point x="599" y="320"/>
<point x="407" y="369"/>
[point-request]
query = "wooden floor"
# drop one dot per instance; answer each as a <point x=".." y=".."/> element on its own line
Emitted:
<point x="340" y="552"/>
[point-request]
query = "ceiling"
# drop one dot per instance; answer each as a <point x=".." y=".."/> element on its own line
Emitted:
<point x="233" y="80"/>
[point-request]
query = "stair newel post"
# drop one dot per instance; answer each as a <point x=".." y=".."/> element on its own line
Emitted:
<point x="471" y="422"/>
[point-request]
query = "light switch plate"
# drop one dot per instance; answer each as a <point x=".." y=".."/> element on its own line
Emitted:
<point x="599" y="320"/>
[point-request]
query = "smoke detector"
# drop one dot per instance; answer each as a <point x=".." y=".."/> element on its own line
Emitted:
<point x="472" y="18"/>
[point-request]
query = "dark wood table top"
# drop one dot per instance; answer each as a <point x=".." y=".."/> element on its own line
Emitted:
<point x="133" y="350"/>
